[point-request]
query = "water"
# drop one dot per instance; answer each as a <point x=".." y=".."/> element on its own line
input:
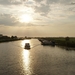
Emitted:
<point x="40" y="60"/>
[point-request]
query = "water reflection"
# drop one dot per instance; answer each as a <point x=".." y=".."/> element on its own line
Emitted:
<point x="26" y="58"/>
<point x="41" y="60"/>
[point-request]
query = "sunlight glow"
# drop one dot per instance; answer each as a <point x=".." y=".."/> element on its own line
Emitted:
<point x="26" y="58"/>
<point x="25" y="18"/>
<point x="26" y="62"/>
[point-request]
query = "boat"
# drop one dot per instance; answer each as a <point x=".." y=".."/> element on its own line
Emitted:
<point x="27" y="46"/>
<point x="46" y="42"/>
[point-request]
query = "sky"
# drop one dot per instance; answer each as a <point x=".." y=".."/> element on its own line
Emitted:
<point x="40" y="18"/>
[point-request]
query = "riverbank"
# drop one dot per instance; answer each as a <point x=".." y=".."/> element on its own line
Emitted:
<point x="61" y="41"/>
<point x="8" y="39"/>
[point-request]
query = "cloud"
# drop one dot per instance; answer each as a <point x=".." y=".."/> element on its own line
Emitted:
<point x="49" y="2"/>
<point x="12" y="20"/>
<point x="10" y="2"/>
<point x="44" y="9"/>
<point x="38" y="0"/>
<point x="72" y="3"/>
<point x="7" y="19"/>
<point x="58" y="15"/>
<point x="60" y="1"/>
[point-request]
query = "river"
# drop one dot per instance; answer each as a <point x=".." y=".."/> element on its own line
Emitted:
<point x="39" y="60"/>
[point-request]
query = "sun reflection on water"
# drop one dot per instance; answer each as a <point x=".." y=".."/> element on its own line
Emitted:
<point x="26" y="58"/>
<point x="26" y="62"/>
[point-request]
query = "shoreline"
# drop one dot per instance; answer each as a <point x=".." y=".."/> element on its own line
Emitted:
<point x="67" y="42"/>
<point x="9" y="40"/>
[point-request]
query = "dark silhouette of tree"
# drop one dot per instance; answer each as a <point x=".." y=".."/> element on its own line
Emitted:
<point x="14" y="37"/>
<point x="67" y="41"/>
<point x="67" y="38"/>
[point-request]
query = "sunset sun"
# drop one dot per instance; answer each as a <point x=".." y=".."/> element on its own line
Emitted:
<point x="25" y="18"/>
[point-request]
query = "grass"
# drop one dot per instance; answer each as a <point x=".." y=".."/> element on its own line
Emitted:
<point x="62" y="41"/>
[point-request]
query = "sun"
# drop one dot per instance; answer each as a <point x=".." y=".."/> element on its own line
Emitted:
<point x="25" y="18"/>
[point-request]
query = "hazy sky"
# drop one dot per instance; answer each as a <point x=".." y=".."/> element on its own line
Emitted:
<point x="37" y="17"/>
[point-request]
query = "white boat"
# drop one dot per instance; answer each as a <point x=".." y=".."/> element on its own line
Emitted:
<point x="27" y="46"/>
<point x="46" y="42"/>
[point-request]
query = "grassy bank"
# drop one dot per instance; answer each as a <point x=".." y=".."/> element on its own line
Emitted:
<point x="62" y="41"/>
<point x="8" y="39"/>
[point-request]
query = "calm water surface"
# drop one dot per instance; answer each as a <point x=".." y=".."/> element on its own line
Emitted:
<point x="40" y="60"/>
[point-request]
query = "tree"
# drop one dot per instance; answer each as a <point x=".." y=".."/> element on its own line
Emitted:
<point x="67" y="38"/>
